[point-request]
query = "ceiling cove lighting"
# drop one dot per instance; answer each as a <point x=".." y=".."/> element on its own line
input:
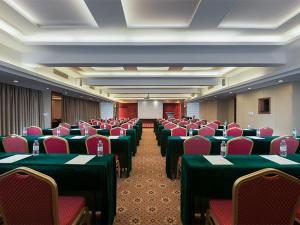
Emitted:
<point x="6" y="27"/>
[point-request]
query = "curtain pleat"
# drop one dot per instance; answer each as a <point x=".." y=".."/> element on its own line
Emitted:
<point x="75" y="109"/>
<point x="19" y="107"/>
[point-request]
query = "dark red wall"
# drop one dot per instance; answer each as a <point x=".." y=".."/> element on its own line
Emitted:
<point x="128" y="110"/>
<point x="172" y="107"/>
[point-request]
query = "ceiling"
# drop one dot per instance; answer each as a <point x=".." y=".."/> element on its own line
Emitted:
<point x="165" y="49"/>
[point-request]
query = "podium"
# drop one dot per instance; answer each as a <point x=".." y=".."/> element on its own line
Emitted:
<point x="170" y="115"/>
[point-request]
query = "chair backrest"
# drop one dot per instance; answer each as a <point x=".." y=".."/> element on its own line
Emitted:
<point x="95" y="122"/>
<point x="183" y="123"/>
<point x="217" y="122"/>
<point x="164" y="123"/>
<point x="105" y="126"/>
<point x="212" y="125"/>
<point x="63" y="131"/>
<point x="91" y="131"/>
<point x="197" y="145"/>
<point x="117" y="130"/>
<point x="15" y="143"/>
<point x="127" y="126"/>
<point x="66" y="125"/>
<point x="292" y="145"/>
<point x="266" y="131"/>
<point x="56" y="145"/>
<point x="28" y="197"/>
<point x="206" y="131"/>
<point x="235" y="131"/>
<point x="91" y="144"/>
<point x="239" y="146"/>
<point x="231" y="125"/>
<point x="170" y="125"/>
<point x="192" y="125"/>
<point x="84" y="125"/>
<point x="266" y="196"/>
<point x="34" y="131"/>
<point x="178" y="131"/>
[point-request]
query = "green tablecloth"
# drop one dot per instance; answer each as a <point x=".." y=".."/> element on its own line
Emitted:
<point x="129" y="132"/>
<point x="120" y="147"/>
<point x="96" y="180"/>
<point x="175" y="149"/>
<point x="201" y="180"/>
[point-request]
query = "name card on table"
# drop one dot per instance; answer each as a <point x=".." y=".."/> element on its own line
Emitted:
<point x="279" y="160"/>
<point x="220" y="138"/>
<point x="77" y="137"/>
<point x="80" y="160"/>
<point x="255" y="137"/>
<point x="14" y="158"/>
<point x="113" y="137"/>
<point x="217" y="160"/>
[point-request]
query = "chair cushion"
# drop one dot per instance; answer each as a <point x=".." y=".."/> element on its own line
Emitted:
<point x="298" y="214"/>
<point x="68" y="208"/>
<point x="221" y="211"/>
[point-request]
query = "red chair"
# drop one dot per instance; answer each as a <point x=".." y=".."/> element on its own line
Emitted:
<point x="66" y="125"/>
<point x="34" y="131"/>
<point x="192" y="125"/>
<point x="217" y="122"/>
<point x="15" y="143"/>
<point x="170" y="125"/>
<point x="95" y="122"/>
<point x="164" y="123"/>
<point x="105" y="126"/>
<point x="127" y="126"/>
<point x="84" y="125"/>
<point x="239" y="146"/>
<point x="266" y="131"/>
<point x="183" y="123"/>
<point x="56" y="145"/>
<point x="63" y="131"/>
<point x="91" y="131"/>
<point x="235" y="131"/>
<point x="292" y="145"/>
<point x="206" y="131"/>
<point x="178" y="131"/>
<point x="30" y="197"/>
<point x="267" y="196"/>
<point x="117" y="131"/>
<point x="298" y="215"/>
<point x="212" y="125"/>
<point x="192" y="146"/>
<point x="231" y="125"/>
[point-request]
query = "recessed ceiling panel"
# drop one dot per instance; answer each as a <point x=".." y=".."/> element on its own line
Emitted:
<point x="260" y="14"/>
<point x="159" y="13"/>
<point x="54" y="13"/>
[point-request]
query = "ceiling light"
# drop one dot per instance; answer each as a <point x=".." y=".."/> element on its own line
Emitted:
<point x="280" y="81"/>
<point x="249" y="88"/>
<point x="215" y="96"/>
<point x="10" y="29"/>
<point x="15" y="81"/>
<point x="47" y="88"/>
<point x="230" y="92"/>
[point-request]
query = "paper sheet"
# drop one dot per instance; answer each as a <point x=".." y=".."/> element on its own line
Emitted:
<point x="44" y="137"/>
<point x="184" y="137"/>
<point x="255" y="137"/>
<point x="279" y="160"/>
<point x="217" y="160"/>
<point x="13" y="158"/>
<point x="80" y="160"/>
<point x="113" y="137"/>
<point x="77" y="137"/>
<point x="220" y="138"/>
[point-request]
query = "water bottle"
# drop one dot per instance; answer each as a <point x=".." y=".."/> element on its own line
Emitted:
<point x="248" y="126"/>
<point x="36" y="148"/>
<point x="225" y="124"/>
<point x="224" y="133"/>
<point x="190" y="132"/>
<point x="58" y="131"/>
<point x="86" y="131"/>
<point x="100" y="149"/>
<point x="104" y="126"/>
<point x="258" y="132"/>
<point x="121" y="132"/>
<point x="223" y="149"/>
<point x="24" y="131"/>
<point x="294" y="133"/>
<point x="283" y="148"/>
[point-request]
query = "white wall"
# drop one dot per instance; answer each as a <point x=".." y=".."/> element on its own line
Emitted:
<point x="107" y="110"/>
<point x="150" y="109"/>
<point x="192" y="109"/>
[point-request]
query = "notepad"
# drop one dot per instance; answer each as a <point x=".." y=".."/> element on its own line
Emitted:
<point x="217" y="160"/>
<point x="77" y="137"/>
<point x="255" y="137"/>
<point x="113" y="137"/>
<point x="80" y="160"/>
<point x="220" y="138"/>
<point x="14" y="158"/>
<point x="44" y="137"/>
<point x="279" y="160"/>
<point x="184" y="137"/>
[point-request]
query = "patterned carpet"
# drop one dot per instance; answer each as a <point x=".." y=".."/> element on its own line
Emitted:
<point x="148" y="196"/>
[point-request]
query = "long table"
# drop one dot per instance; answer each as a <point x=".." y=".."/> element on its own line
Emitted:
<point x="129" y="132"/>
<point x="165" y="133"/>
<point x="175" y="150"/>
<point x="95" y="180"/>
<point x="200" y="180"/>
<point x="120" y="146"/>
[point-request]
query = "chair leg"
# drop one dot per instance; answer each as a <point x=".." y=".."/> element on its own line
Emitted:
<point x="178" y="171"/>
<point x="207" y="218"/>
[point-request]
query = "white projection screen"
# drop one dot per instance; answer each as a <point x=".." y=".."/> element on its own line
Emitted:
<point x="150" y="109"/>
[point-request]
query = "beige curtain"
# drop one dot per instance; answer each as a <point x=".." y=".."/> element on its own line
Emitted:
<point x="75" y="109"/>
<point x="19" y="107"/>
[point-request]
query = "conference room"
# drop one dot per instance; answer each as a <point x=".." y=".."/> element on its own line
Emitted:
<point x="127" y="112"/>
